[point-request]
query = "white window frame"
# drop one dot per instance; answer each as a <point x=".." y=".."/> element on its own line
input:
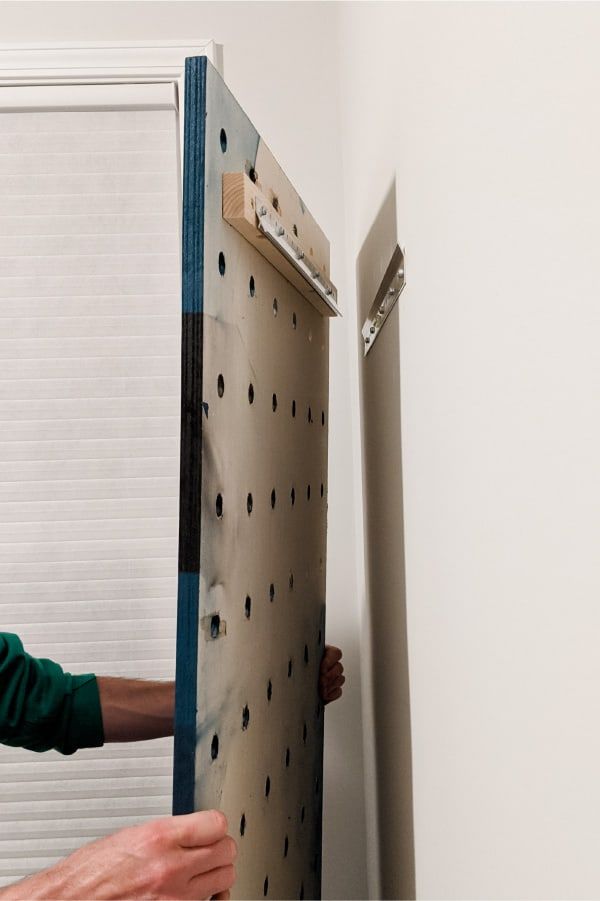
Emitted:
<point x="121" y="62"/>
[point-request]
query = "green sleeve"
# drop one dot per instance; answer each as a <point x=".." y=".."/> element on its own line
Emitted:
<point x="42" y="707"/>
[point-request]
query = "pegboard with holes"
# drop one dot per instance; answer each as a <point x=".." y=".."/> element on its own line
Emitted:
<point x="253" y="505"/>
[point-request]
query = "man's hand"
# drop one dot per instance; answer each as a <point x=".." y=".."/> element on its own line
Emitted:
<point x="331" y="675"/>
<point x="181" y="857"/>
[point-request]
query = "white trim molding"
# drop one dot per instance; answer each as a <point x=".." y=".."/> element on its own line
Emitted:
<point x="100" y="63"/>
<point x="22" y="64"/>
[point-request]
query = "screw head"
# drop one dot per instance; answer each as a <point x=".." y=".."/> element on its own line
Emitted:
<point x="372" y="330"/>
<point x="367" y="340"/>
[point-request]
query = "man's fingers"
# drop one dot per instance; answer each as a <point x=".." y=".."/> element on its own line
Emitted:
<point x="333" y="673"/>
<point x="213" y="883"/>
<point x="333" y="696"/>
<point x="337" y="683"/>
<point x="195" y="830"/>
<point x="331" y="656"/>
<point x="328" y="680"/>
<point x="333" y="686"/>
<point x="210" y="857"/>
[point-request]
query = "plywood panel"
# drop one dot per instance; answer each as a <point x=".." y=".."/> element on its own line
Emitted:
<point x="253" y="524"/>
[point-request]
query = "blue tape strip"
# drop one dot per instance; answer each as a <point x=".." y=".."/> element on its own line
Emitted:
<point x="184" y="770"/>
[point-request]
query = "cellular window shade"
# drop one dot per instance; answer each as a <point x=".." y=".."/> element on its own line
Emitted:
<point x="89" y="435"/>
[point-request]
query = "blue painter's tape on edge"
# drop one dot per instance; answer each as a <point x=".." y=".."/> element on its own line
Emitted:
<point x="184" y="773"/>
<point x="192" y="302"/>
<point x="194" y="138"/>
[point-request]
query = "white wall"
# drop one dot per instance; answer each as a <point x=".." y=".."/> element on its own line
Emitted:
<point x="487" y="116"/>
<point x="282" y="66"/>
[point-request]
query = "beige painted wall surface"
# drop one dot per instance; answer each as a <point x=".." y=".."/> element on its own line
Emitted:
<point x="487" y="116"/>
<point x="284" y="72"/>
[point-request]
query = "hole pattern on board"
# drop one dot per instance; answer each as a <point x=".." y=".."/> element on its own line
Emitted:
<point x="245" y="718"/>
<point x="288" y="332"/>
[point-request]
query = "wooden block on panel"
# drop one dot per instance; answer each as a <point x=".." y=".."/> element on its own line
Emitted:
<point x="306" y="268"/>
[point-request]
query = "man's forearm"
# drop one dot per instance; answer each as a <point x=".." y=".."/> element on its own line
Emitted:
<point x="135" y="710"/>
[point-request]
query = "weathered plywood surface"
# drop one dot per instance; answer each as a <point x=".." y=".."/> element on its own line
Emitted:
<point x="253" y="524"/>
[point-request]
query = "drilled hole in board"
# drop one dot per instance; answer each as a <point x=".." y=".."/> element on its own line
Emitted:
<point x="304" y="733"/>
<point x="286" y="846"/>
<point x="219" y="505"/>
<point x="245" y="717"/>
<point x="294" y="321"/>
<point x="249" y="504"/>
<point x="306" y="653"/>
<point x="287" y="757"/>
<point x="250" y="393"/>
<point x="248" y="607"/>
<point x="252" y="286"/>
<point x="302" y="813"/>
<point x="274" y="402"/>
<point x="295" y="230"/>
<point x="266" y="886"/>
<point x="309" y="415"/>
<point x="220" y="386"/>
<point x="215" y="625"/>
<point x="322" y="489"/>
<point x="223" y="140"/>
<point x="222" y="263"/>
<point x="267" y="786"/>
<point x="290" y="668"/>
<point x="308" y="492"/>
<point x="293" y="496"/>
<point x="323" y="417"/>
<point x="291" y="581"/>
<point x="252" y="175"/>
<point x="271" y="592"/>
<point x="269" y="690"/>
<point x="275" y="306"/>
<point x="243" y="824"/>
<point x="214" y="747"/>
<point x="273" y="499"/>
<point x="294" y="408"/>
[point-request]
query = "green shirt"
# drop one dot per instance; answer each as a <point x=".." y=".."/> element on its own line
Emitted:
<point x="42" y="707"/>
